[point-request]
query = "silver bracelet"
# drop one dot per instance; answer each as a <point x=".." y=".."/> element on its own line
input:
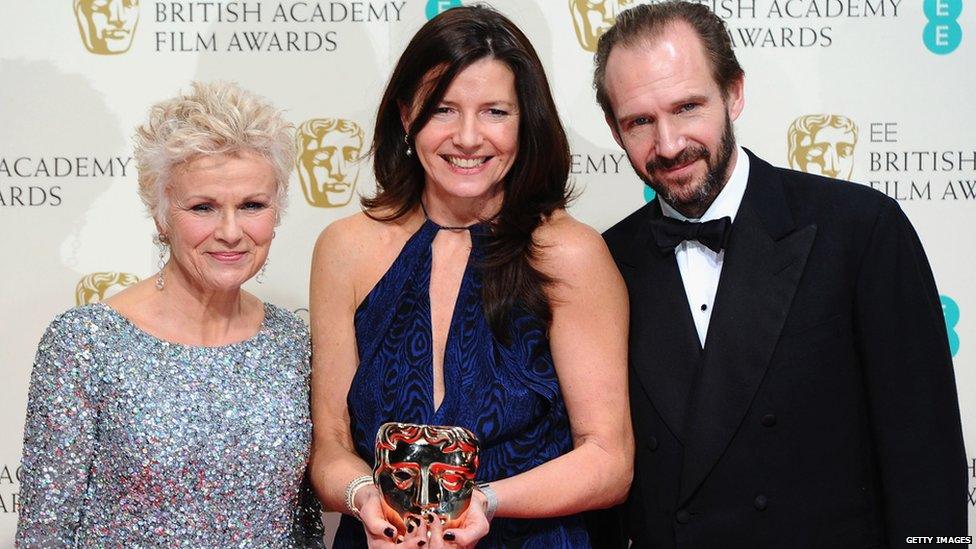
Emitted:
<point x="492" y="498"/>
<point x="352" y="488"/>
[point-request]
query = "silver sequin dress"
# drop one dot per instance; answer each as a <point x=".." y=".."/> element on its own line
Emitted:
<point x="131" y="441"/>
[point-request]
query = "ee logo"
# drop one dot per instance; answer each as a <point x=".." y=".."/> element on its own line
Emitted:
<point x="950" y="310"/>
<point x="649" y="193"/>
<point x="435" y="7"/>
<point x="942" y="34"/>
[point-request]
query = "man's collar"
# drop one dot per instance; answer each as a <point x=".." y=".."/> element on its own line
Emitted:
<point x="729" y="198"/>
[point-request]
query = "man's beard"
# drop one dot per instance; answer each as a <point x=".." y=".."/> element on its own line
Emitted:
<point x="709" y="187"/>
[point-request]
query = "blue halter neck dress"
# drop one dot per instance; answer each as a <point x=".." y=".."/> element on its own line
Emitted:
<point x="508" y="395"/>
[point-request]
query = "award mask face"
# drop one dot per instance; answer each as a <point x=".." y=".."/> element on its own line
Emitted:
<point x="425" y="469"/>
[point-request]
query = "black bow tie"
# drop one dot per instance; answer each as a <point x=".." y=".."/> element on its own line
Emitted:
<point x="714" y="234"/>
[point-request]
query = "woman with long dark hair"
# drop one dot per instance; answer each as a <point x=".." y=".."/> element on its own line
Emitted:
<point x="465" y="295"/>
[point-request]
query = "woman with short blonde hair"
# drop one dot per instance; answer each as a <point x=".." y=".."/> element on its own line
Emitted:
<point x="176" y="412"/>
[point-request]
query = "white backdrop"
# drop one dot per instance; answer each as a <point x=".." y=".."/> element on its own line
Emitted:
<point x="900" y="71"/>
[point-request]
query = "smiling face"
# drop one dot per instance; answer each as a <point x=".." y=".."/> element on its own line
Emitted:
<point x="671" y="117"/>
<point x="221" y="220"/>
<point x="470" y="143"/>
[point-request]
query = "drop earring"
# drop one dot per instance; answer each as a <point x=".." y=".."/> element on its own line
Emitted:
<point x="264" y="269"/>
<point x="161" y="243"/>
<point x="406" y="139"/>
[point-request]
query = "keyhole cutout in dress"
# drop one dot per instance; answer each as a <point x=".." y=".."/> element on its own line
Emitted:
<point x="450" y="251"/>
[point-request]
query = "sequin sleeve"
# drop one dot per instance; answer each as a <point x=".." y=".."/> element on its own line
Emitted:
<point x="59" y="436"/>
<point x="308" y="530"/>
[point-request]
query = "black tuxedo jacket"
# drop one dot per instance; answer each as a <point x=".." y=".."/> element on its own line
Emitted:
<point x="822" y="411"/>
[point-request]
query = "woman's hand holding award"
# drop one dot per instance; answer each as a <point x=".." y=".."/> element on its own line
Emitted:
<point x="425" y="473"/>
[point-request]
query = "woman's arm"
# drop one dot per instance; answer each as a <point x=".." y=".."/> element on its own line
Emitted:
<point x="333" y="461"/>
<point x="588" y="338"/>
<point x="59" y="438"/>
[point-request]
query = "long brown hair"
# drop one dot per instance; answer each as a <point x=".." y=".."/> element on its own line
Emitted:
<point x="534" y="187"/>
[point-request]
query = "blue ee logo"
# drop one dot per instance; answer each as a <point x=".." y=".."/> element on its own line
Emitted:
<point x="649" y="193"/>
<point x="950" y="310"/>
<point x="435" y="7"/>
<point x="942" y="34"/>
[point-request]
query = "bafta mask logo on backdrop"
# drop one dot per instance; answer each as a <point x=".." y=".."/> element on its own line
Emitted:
<point x="436" y="7"/>
<point x="592" y="18"/>
<point x="823" y="144"/>
<point x="107" y="26"/>
<point x="328" y="153"/>
<point x="96" y="287"/>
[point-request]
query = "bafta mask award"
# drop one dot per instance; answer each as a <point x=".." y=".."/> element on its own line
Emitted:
<point x="425" y="469"/>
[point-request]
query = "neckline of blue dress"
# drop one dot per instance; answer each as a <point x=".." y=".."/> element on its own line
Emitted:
<point x="449" y="367"/>
<point x="423" y="237"/>
<point x="417" y="252"/>
<point x="479" y="228"/>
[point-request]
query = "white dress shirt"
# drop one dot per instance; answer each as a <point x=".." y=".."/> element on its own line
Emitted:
<point x="700" y="267"/>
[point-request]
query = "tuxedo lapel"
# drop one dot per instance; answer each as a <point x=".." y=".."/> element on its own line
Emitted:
<point x="762" y="267"/>
<point x="664" y="347"/>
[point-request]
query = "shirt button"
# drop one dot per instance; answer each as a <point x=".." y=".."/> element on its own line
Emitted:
<point x="761" y="502"/>
<point x="769" y="420"/>
<point x="682" y="516"/>
<point x="704" y="307"/>
<point x="652" y="443"/>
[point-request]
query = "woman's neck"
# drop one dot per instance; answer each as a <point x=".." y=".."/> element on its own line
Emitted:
<point x="453" y="211"/>
<point x="212" y="316"/>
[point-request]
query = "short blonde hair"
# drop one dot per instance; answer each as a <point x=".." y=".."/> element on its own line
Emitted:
<point x="212" y="118"/>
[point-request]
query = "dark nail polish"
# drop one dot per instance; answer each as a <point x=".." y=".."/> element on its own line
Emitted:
<point x="430" y="518"/>
<point x="399" y="539"/>
<point x="410" y="527"/>
<point x="388" y="532"/>
<point x="421" y="543"/>
<point x="448" y="536"/>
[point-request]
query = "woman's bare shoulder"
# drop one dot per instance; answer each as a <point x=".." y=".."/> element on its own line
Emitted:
<point x="360" y="233"/>
<point x="576" y="257"/>
<point x="566" y="242"/>
<point x="355" y="251"/>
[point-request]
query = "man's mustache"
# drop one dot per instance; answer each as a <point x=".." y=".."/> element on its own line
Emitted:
<point x="686" y="156"/>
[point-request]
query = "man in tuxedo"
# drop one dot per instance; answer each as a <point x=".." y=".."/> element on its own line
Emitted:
<point x="790" y="377"/>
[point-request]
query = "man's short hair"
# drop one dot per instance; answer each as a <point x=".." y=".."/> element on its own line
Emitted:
<point x="646" y="22"/>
